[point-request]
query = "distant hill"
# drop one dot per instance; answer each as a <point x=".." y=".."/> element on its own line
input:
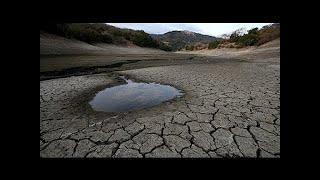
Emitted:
<point x="181" y="39"/>
<point x="102" y="33"/>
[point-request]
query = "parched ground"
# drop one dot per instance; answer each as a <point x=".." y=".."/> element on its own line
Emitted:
<point x="229" y="109"/>
<point x="231" y="106"/>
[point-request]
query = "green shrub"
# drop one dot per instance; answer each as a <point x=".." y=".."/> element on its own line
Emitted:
<point x="213" y="45"/>
<point x="248" y="39"/>
<point x="234" y="37"/>
<point x="164" y="47"/>
<point x="190" y="47"/>
<point x="87" y="34"/>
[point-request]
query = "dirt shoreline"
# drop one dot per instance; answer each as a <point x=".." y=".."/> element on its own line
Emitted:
<point x="130" y="64"/>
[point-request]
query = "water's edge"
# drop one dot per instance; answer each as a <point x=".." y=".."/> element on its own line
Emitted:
<point x="133" y="96"/>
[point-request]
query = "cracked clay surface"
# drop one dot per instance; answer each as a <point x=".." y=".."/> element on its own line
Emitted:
<point x="228" y="110"/>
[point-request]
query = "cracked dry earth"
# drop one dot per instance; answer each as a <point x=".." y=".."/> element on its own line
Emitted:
<point x="228" y="110"/>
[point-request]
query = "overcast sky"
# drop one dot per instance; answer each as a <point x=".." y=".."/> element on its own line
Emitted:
<point x="213" y="29"/>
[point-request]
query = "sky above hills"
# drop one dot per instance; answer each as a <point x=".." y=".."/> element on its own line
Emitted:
<point x="212" y="29"/>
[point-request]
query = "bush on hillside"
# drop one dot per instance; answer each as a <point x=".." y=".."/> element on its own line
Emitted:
<point x="268" y="33"/>
<point x="89" y="35"/>
<point x="200" y="46"/>
<point x="143" y="39"/>
<point x="189" y="47"/>
<point x="164" y="47"/>
<point x="213" y="45"/>
<point x="249" y="39"/>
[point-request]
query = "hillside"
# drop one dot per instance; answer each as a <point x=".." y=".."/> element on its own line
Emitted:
<point x="92" y="33"/>
<point x="51" y="44"/>
<point x="180" y="39"/>
<point x="253" y="37"/>
<point x="269" y="51"/>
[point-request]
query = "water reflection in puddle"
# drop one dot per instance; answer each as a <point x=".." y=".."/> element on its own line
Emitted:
<point x="133" y="96"/>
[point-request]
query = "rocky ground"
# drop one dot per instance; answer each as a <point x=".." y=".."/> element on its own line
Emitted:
<point x="229" y="109"/>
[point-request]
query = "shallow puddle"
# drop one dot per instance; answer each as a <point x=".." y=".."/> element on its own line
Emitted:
<point x="133" y="96"/>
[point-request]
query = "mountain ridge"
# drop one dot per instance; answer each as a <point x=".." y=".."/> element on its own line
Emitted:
<point x="180" y="39"/>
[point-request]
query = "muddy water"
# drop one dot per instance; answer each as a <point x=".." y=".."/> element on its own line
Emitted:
<point x="133" y="96"/>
